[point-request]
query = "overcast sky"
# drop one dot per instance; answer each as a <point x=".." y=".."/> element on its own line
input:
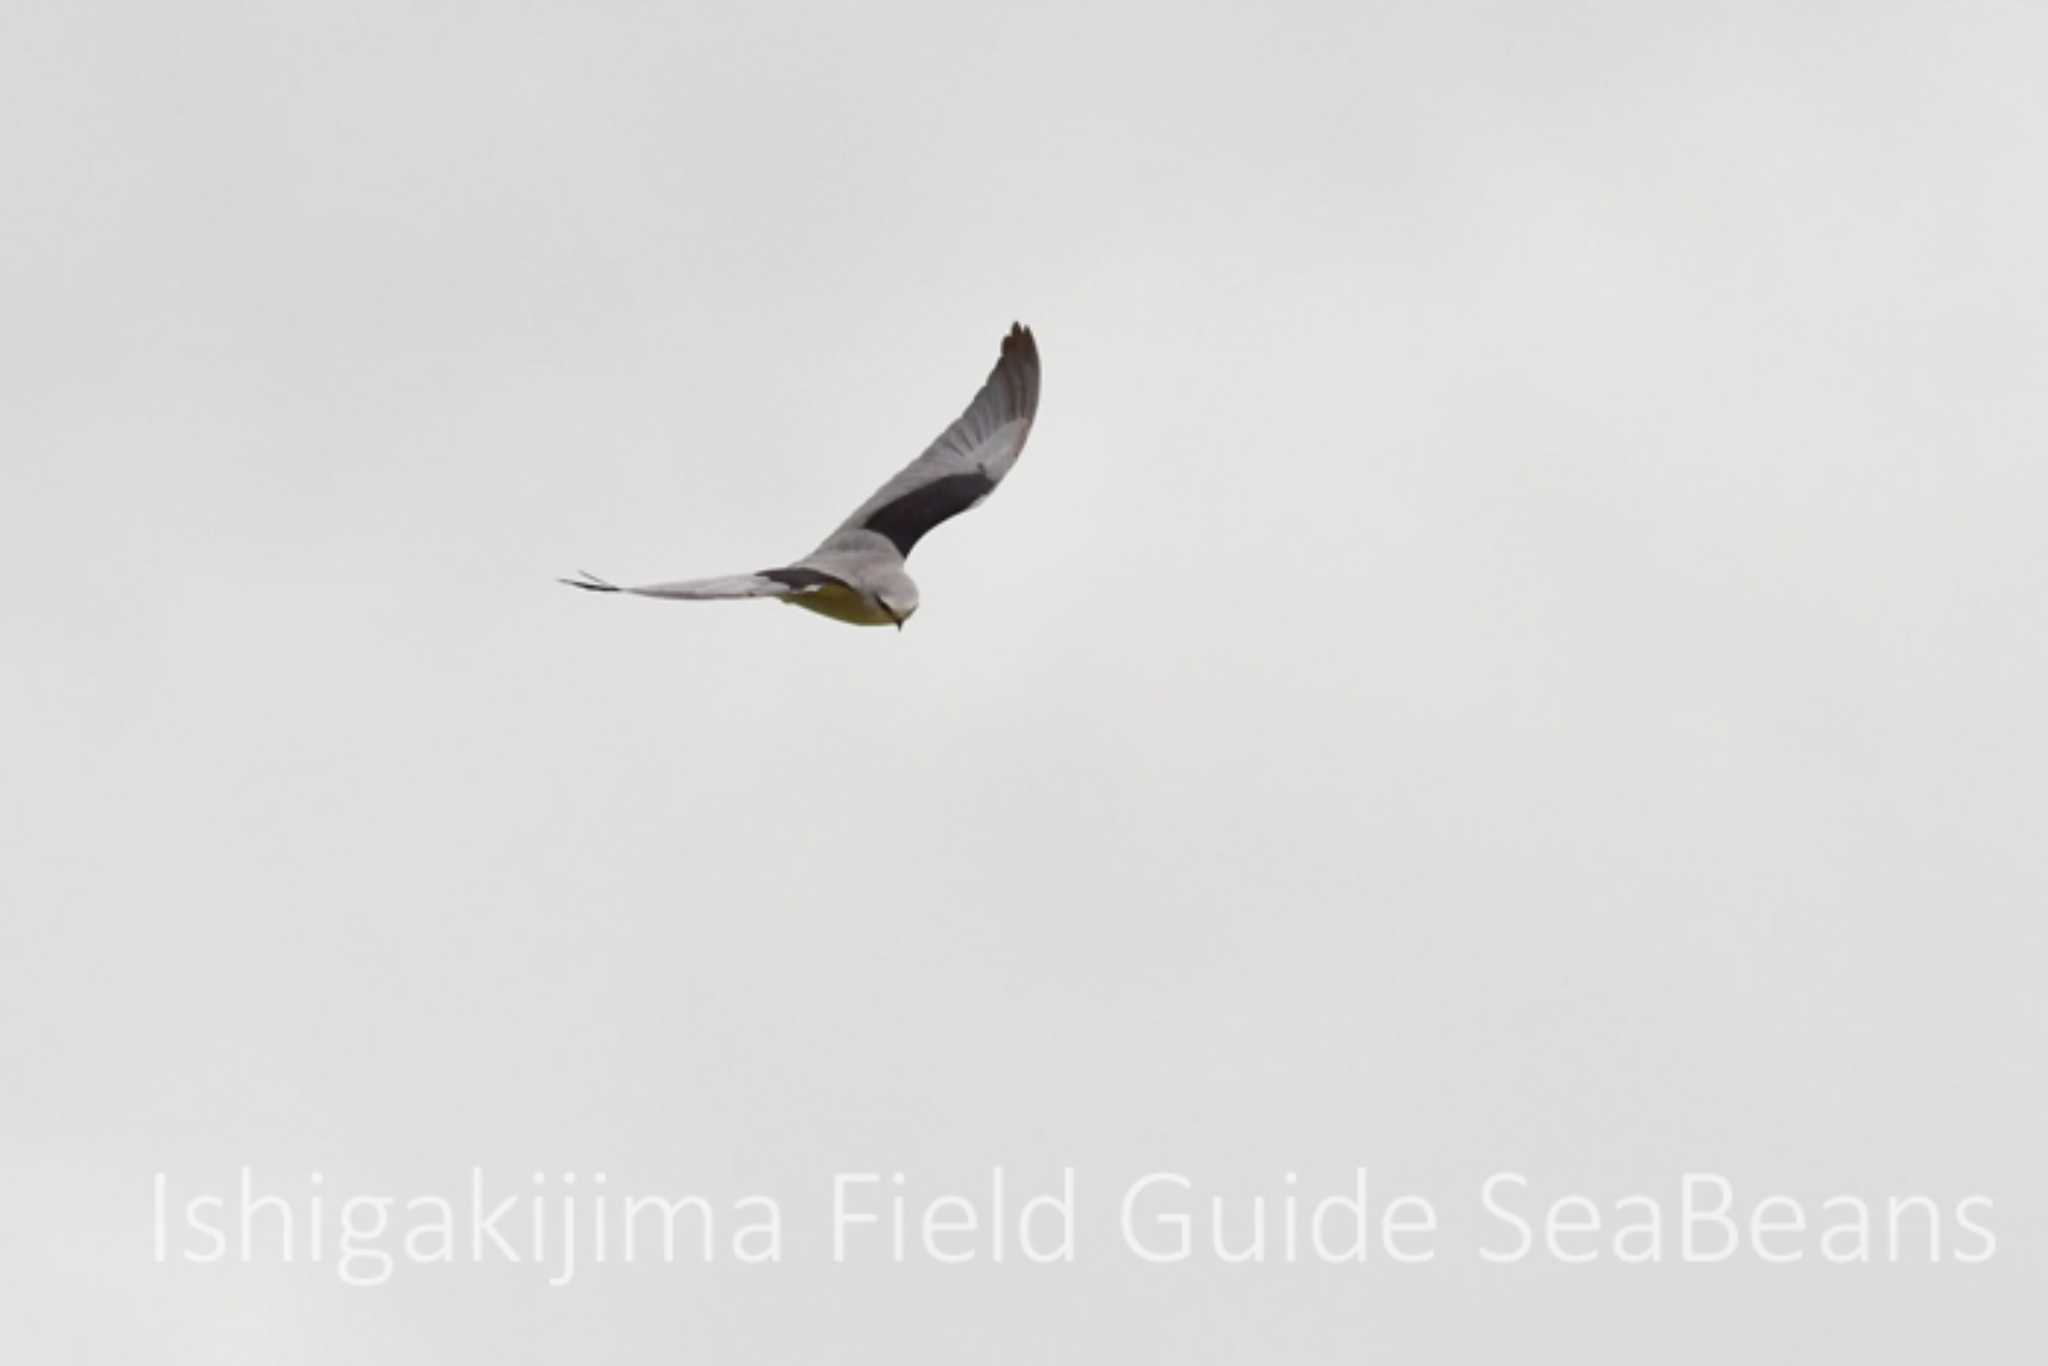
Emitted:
<point x="1517" y="643"/>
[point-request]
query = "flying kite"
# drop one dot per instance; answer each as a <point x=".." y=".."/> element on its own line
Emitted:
<point x="857" y="574"/>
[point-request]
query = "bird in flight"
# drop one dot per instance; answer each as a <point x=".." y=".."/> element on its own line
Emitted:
<point x="857" y="574"/>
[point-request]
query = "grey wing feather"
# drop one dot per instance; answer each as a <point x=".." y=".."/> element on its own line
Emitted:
<point x="769" y="583"/>
<point x="968" y="460"/>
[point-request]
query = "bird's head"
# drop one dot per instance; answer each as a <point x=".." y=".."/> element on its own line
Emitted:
<point x="897" y="598"/>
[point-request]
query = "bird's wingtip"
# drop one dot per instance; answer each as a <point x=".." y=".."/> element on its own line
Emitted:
<point x="1018" y="341"/>
<point x="589" y="582"/>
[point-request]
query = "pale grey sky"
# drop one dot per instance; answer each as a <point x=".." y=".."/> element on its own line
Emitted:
<point x="1517" y="642"/>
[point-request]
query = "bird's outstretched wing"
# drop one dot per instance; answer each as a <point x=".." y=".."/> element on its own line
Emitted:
<point x="968" y="460"/>
<point x="769" y="583"/>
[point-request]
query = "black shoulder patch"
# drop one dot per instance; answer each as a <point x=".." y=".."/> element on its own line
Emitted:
<point x="908" y="518"/>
